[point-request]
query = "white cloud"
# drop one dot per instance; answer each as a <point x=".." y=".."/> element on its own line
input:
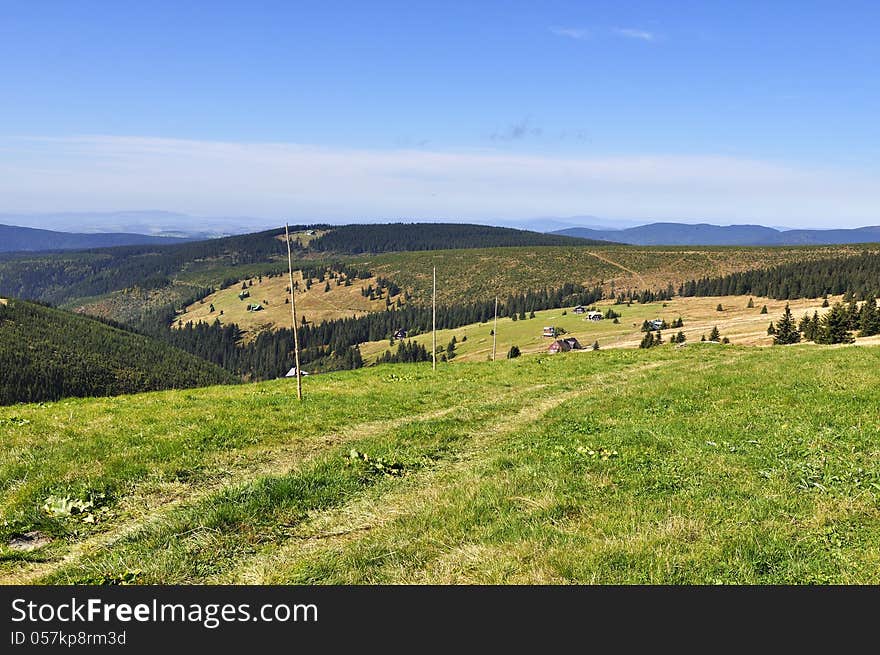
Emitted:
<point x="571" y="32"/>
<point x="635" y="34"/>
<point x="302" y="182"/>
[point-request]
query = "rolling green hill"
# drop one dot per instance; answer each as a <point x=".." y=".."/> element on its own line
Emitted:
<point x="480" y="274"/>
<point x="66" y="277"/>
<point x="46" y="354"/>
<point x="706" y="464"/>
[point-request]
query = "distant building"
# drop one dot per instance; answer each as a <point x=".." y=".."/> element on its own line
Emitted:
<point x="595" y="316"/>
<point x="580" y="309"/>
<point x="564" y="345"/>
<point x="255" y="307"/>
<point x="656" y="324"/>
<point x="400" y="334"/>
<point x="550" y="332"/>
<point x="244" y="294"/>
<point x="292" y="373"/>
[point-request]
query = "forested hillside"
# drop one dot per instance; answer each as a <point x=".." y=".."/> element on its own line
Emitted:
<point x="46" y="354"/>
<point x="376" y="238"/>
<point x="59" y="277"/>
<point x="859" y="275"/>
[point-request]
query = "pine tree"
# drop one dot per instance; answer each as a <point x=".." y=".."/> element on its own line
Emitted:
<point x="786" y="330"/>
<point x="869" y="321"/>
<point x="834" y="327"/>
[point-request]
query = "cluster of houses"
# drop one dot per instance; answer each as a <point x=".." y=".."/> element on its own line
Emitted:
<point x="591" y="314"/>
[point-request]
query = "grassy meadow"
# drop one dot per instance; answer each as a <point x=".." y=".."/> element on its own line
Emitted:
<point x="704" y="464"/>
<point x="742" y="324"/>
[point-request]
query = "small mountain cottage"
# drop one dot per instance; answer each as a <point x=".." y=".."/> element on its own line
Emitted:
<point x="564" y="345"/>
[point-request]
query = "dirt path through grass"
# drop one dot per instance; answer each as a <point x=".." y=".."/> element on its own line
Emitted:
<point x="255" y="463"/>
<point x="635" y="274"/>
<point x="371" y="512"/>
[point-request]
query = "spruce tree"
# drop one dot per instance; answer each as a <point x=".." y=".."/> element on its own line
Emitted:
<point x="680" y="338"/>
<point x="786" y="329"/>
<point x="714" y="335"/>
<point x="751" y="303"/>
<point x="869" y="320"/>
<point x="719" y="308"/>
<point x="513" y="353"/>
<point x="834" y="327"/>
<point x="764" y="309"/>
<point x="595" y="345"/>
<point x="647" y="340"/>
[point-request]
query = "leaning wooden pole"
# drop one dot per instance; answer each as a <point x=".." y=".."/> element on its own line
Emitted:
<point x="495" y="329"/>
<point x="434" y="323"/>
<point x="299" y="386"/>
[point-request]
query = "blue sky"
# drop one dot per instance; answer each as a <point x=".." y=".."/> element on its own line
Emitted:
<point x="728" y="112"/>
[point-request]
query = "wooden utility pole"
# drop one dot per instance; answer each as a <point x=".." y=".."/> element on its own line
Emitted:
<point x="434" y="324"/>
<point x="495" y="329"/>
<point x="299" y="386"/>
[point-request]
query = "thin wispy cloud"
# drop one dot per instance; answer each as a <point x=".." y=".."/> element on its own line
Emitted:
<point x="630" y="33"/>
<point x="516" y="131"/>
<point x="571" y="32"/>
<point x="311" y="182"/>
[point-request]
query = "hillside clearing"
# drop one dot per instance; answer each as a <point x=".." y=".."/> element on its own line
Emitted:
<point x="314" y="304"/>
<point x="481" y="273"/>
<point x="741" y="324"/>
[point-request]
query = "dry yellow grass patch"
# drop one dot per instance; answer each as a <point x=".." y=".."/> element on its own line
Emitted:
<point x="314" y="304"/>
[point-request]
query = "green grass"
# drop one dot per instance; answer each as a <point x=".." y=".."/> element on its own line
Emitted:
<point x="698" y="465"/>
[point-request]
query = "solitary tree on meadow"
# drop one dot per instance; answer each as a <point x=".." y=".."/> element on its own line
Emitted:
<point x="786" y="329"/>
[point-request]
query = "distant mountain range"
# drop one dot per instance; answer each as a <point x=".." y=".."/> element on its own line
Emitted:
<point x="703" y="234"/>
<point x="144" y="222"/>
<point x="14" y="238"/>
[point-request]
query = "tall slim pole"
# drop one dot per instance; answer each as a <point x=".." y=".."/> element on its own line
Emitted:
<point x="299" y="387"/>
<point x="495" y="329"/>
<point x="434" y="324"/>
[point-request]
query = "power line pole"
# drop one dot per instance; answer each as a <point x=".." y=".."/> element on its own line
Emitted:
<point x="495" y="329"/>
<point x="434" y="324"/>
<point x="299" y="388"/>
